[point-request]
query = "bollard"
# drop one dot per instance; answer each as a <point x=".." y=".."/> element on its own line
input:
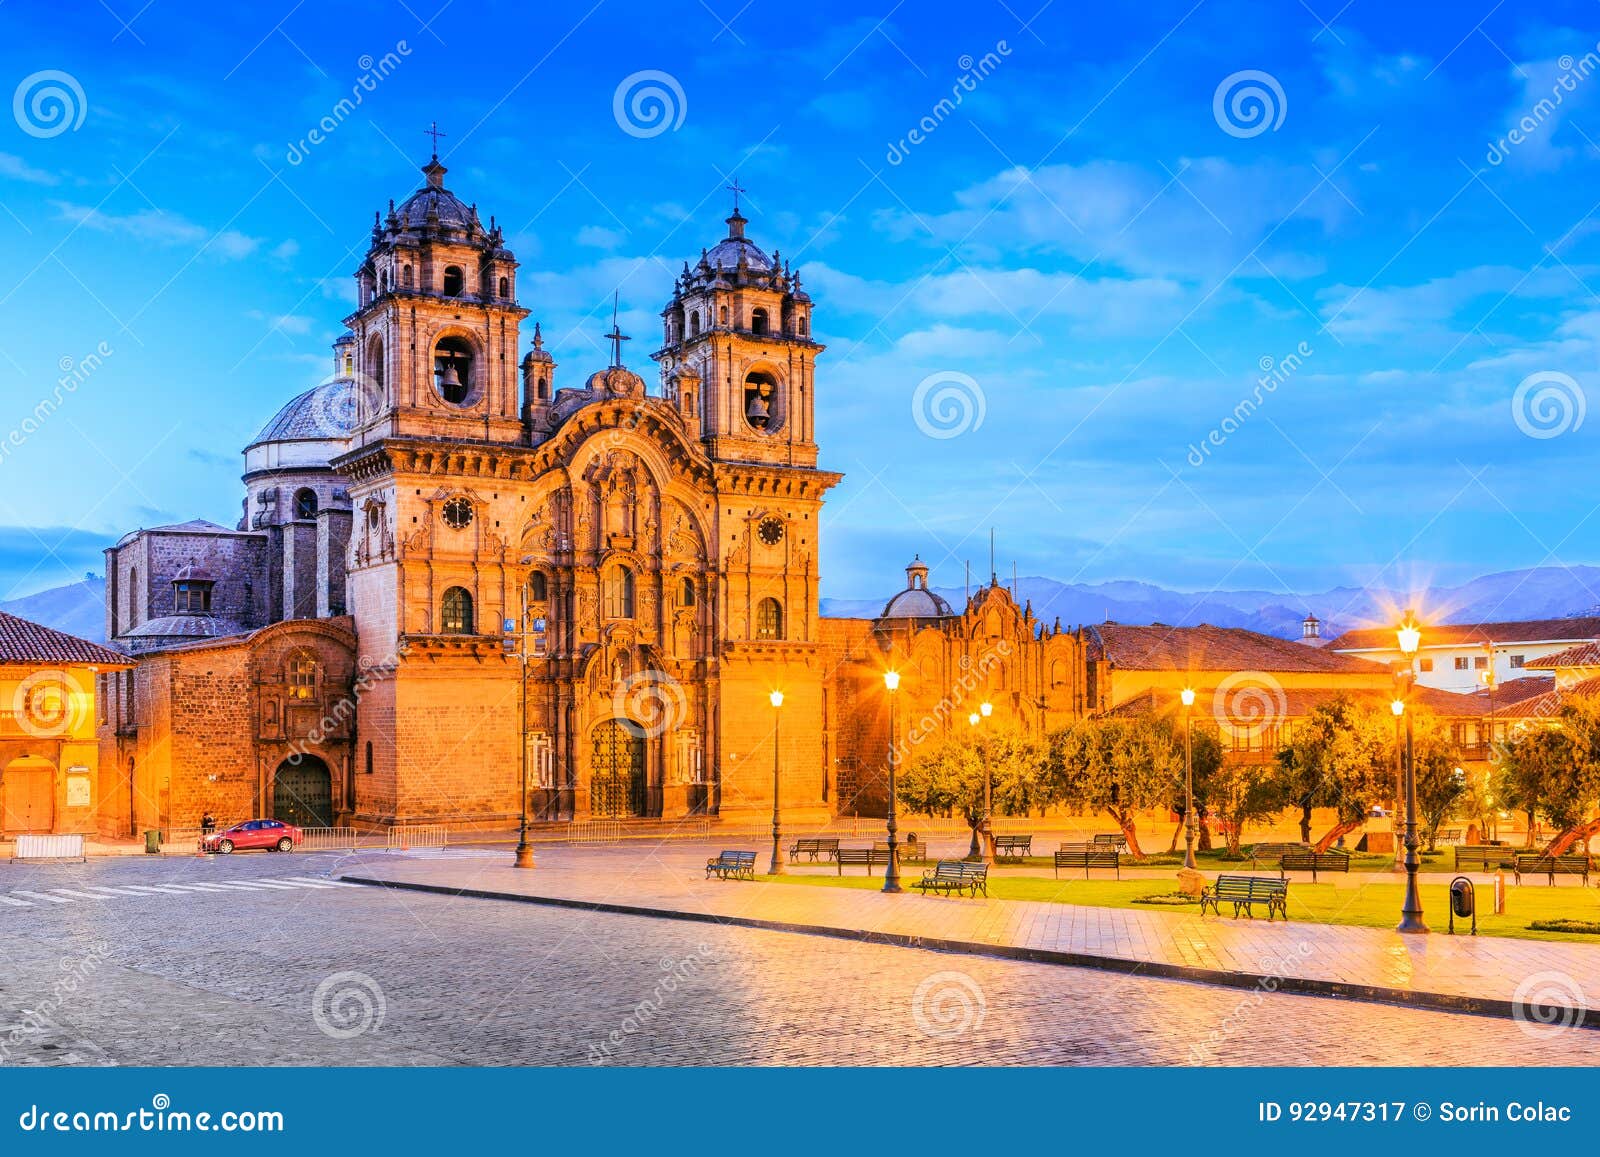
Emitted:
<point x="1500" y="892"/>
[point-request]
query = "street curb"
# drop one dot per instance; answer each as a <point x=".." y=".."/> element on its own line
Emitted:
<point x="1296" y="985"/>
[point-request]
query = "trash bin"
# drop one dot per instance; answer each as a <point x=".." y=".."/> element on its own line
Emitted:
<point x="1461" y="898"/>
<point x="152" y="843"/>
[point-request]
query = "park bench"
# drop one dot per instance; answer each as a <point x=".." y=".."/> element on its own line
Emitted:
<point x="1012" y="847"/>
<point x="1306" y="860"/>
<point x="911" y="852"/>
<point x="866" y="857"/>
<point x="1484" y="859"/>
<point x="813" y="849"/>
<point x="956" y="876"/>
<point x="1243" y="892"/>
<point x="1087" y="856"/>
<point x="1270" y="854"/>
<point x="1448" y="836"/>
<point x="732" y="865"/>
<point x="1539" y="864"/>
<point x="1116" y="841"/>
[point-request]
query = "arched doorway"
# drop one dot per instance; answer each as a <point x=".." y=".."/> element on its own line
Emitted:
<point x="303" y="793"/>
<point x="617" y="771"/>
<point x="29" y="787"/>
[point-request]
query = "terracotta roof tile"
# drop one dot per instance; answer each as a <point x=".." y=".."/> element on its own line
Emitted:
<point x="1456" y="634"/>
<point x="1208" y="648"/>
<point x="22" y="641"/>
<point x="1582" y="655"/>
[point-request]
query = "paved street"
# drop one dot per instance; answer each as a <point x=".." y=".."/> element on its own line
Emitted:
<point x="177" y="962"/>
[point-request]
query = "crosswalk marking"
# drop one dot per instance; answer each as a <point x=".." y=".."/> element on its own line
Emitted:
<point x="270" y="884"/>
<point x="297" y="883"/>
<point x="22" y="898"/>
<point x="14" y="902"/>
<point x="40" y="896"/>
<point x="156" y="889"/>
<point x="79" y="895"/>
<point x="327" y="883"/>
<point x="209" y="887"/>
<point x="111" y="891"/>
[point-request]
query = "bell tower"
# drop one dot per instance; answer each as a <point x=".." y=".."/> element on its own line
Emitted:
<point x="738" y="359"/>
<point x="436" y="331"/>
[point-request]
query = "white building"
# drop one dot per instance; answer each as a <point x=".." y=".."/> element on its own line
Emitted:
<point x="1462" y="657"/>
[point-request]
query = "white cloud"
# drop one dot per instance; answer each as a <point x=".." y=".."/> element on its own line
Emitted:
<point x="597" y="238"/>
<point x="158" y="228"/>
<point x="16" y="169"/>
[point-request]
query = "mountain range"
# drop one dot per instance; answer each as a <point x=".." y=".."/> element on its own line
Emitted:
<point x="1535" y="593"/>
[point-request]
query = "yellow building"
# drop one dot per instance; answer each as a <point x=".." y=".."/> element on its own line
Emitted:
<point x="49" y="757"/>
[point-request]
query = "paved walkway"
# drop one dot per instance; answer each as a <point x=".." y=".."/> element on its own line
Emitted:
<point x="1490" y="975"/>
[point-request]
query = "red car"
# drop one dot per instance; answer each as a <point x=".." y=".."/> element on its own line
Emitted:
<point x="273" y="835"/>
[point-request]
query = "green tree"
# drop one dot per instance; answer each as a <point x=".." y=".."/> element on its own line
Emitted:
<point x="946" y="777"/>
<point x="1205" y="750"/>
<point x="1245" y="793"/>
<point x="1118" y="766"/>
<point x="1441" y="784"/>
<point x="1533" y="761"/>
<point x="1341" y="756"/>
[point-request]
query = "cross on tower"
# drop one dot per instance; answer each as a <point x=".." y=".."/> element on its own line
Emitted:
<point x="616" y="337"/>
<point x="433" y="131"/>
<point x="736" y="189"/>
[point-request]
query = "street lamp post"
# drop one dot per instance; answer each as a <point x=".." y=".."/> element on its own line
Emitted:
<point x="1409" y="635"/>
<point x="777" y="836"/>
<point x="524" y="857"/>
<point x="980" y="850"/>
<point x="891" y="871"/>
<point x="1399" y="709"/>
<point x="1188" y="780"/>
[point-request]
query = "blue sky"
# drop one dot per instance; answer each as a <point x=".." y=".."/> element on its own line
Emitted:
<point x="1096" y="251"/>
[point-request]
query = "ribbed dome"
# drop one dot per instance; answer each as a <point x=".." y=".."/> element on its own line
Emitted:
<point x="185" y="627"/>
<point x="413" y="212"/>
<point x="725" y="255"/>
<point x="916" y="604"/>
<point x="325" y="413"/>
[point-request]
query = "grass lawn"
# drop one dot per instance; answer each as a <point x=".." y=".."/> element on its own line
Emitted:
<point x="1441" y="861"/>
<point x="1367" y="906"/>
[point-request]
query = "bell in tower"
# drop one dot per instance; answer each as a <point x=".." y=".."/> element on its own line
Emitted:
<point x="757" y="412"/>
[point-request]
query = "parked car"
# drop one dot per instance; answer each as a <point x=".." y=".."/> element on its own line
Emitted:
<point x="273" y="835"/>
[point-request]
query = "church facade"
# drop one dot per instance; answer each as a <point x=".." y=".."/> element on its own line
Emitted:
<point x="455" y="574"/>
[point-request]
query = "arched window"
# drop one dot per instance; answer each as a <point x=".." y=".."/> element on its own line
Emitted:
<point x="302" y="676"/>
<point x="452" y="370"/>
<point x="619" y="593"/>
<point x="722" y="315"/>
<point x="383" y="281"/>
<point x="760" y="398"/>
<point x="505" y="287"/>
<point x="687" y="594"/>
<point x="802" y="324"/>
<point x="455" y="613"/>
<point x="305" y="503"/>
<point x="375" y="362"/>
<point x="405" y="276"/>
<point x="769" y="619"/>
<point x="543" y="388"/>
<point x="694" y="322"/>
<point x="454" y="281"/>
<point x="538" y="587"/>
<point x="758" y="321"/>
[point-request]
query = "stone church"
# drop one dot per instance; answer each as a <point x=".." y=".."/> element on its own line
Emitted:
<point x="453" y="571"/>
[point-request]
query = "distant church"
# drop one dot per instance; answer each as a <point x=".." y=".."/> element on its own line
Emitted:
<point x="440" y="542"/>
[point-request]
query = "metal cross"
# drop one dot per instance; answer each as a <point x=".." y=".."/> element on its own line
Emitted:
<point x="736" y="189"/>
<point x="616" y="337"/>
<point x="433" y="131"/>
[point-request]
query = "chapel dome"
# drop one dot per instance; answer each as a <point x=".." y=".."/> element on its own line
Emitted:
<point x="324" y="413"/>
<point x="916" y="601"/>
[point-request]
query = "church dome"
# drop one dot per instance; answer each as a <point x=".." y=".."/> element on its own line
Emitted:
<point x="414" y="211"/>
<point x="325" y="413"/>
<point x="173" y="630"/>
<point x="916" y="601"/>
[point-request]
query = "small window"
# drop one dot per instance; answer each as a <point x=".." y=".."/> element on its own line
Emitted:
<point x="505" y="287"/>
<point x="369" y="757"/>
<point x="619" y="593"/>
<point x="1518" y="660"/>
<point x="1461" y="663"/>
<point x="455" y="617"/>
<point x="454" y="281"/>
<point x="802" y="324"/>
<point x="405" y="276"/>
<point x="1480" y="663"/>
<point x="694" y="322"/>
<point x="191" y="598"/>
<point x="687" y="595"/>
<point x="769" y="619"/>
<point x="758" y="321"/>
<point x="302" y="677"/>
<point x="1425" y="664"/>
<point x="543" y="393"/>
<point x="722" y="316"/>
<point x="305" y="503"/>
<point x="538" y="587"/>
